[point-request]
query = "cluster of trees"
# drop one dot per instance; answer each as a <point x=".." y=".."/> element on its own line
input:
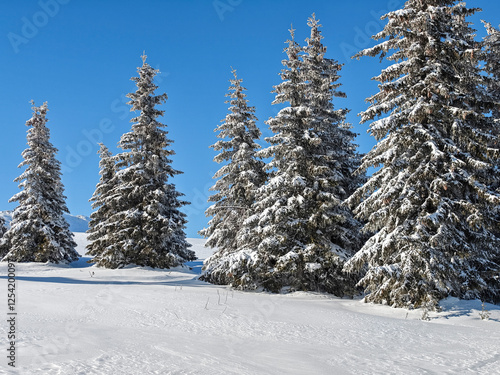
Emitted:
<point x="424" y="226"/>
<point x="282" y="224"/>
<point x="137" y="218"/>
<point x="301" y="214"/>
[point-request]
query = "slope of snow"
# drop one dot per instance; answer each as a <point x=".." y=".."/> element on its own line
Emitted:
<point x="80" y="319"/>
<point x="76" y="223"/>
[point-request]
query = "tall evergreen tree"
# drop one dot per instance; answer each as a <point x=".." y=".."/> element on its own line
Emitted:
<point x="101" y="226"/>
<point x="38" y="231"/>
<point x="287" y="244"/>
<point x="147" y="224"/>
<point x="492" y="57"/>
<point x="430" y="202"/>
<point x="491" y="45"/>
<point x="238" y="180"/>
<point x="3" y="228"/>
<point x="337" y="139"/>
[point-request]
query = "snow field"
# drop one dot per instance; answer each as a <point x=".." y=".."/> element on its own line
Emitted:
<point x="80" y="319"/>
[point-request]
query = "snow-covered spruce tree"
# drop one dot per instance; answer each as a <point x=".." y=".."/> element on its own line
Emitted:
<point x="38" y="231"/>
<point x="238" y="180"/>
<point x="430" y="202"/>
<point x="101" y="227"/>
<point x="491" y="45"/>
<point x="147" y="226"/>
<point x="337" y="139"/>
<point x="4" y="248"/>
<point x="286" y="244"/>
<point x="3" y="228"/>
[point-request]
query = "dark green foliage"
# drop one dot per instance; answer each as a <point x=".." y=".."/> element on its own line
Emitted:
<point x="238" y="180"/>
<point x="429" y="204"/>
<point x="101" y="228"/>
<point x="3" y="228"/>
<point x="146" y="224"/>
<point x="287" y="244"/>
<point x="38" y="231"/>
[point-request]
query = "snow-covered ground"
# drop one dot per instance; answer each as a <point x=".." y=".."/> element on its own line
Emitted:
<point x="79" y="319"/>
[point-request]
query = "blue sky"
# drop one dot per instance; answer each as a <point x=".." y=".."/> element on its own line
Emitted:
<point x="79" y="56"/>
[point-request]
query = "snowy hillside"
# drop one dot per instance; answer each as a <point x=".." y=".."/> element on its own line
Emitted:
<point x="77" y="223"/>
<point x="79" y="319"/>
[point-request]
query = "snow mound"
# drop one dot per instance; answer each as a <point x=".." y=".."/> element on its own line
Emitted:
<point x="77" y="223"/>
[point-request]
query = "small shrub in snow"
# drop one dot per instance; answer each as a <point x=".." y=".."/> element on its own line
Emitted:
<point x="484" y="314"/>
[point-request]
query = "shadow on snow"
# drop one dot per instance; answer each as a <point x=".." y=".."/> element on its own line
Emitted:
<point x="95" y="281"/>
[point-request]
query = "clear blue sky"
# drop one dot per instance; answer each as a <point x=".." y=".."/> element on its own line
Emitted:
<point x="79" y="55"/>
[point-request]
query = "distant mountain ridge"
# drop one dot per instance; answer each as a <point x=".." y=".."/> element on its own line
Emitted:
<point x="77" y="223"/>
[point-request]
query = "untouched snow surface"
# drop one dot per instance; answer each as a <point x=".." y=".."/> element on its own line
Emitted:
<point x="80" y="319"/>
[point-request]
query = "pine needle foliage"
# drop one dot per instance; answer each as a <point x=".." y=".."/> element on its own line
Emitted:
<point x="287" y="244"/>
<point x="147" y="224"/>
<point x="38" y="231"/>
<point x="239" y="178"/>
<point x="430" y="204"/>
